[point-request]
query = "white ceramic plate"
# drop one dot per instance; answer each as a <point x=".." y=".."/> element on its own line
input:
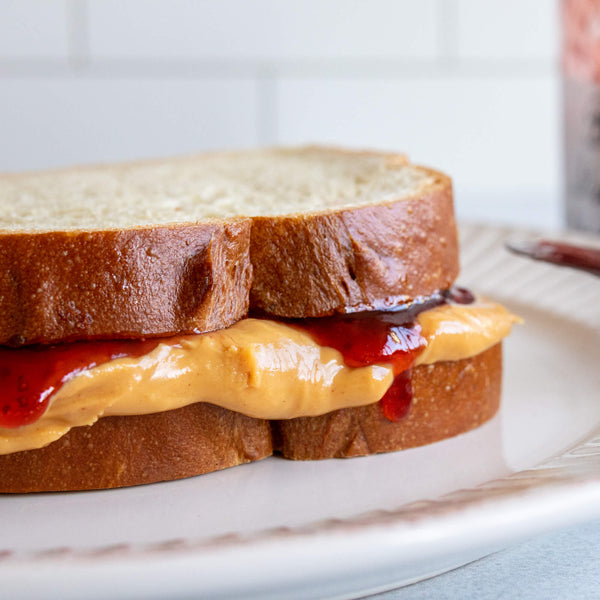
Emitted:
<point x="345" y="528"/>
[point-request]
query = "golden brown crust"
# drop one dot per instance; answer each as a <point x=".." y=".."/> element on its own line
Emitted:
<point x="449" y="398"/>
<point x="157" y="281"/>
<point x="355" y="259"/>
<point x="124" y="451"/>
<point x="123" y="283"/>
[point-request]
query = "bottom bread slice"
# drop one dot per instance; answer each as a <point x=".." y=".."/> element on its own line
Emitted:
<point x="124" y="451"/>
<point x="449" y="398"/>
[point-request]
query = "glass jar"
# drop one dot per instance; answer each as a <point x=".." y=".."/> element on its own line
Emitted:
<point x="581" y="97"/>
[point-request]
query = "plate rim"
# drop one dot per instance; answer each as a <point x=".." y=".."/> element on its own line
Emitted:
<point x="554" y="479"/>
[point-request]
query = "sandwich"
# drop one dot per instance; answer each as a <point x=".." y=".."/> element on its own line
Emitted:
<point x="164" y="319"/>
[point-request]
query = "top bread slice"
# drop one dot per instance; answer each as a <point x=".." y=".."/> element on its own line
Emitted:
<point x="193" y="244"/>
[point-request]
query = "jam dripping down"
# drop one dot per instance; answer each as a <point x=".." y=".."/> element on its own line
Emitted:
<point x="29" y="376"/>
<point x="392" y="337"/>
<point x="365" y="339"/>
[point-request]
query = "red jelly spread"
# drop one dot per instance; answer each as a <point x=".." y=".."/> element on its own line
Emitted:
<point x="391" y="337"/>
<point x="374" y="337"/>
<point x="29" y="376"/>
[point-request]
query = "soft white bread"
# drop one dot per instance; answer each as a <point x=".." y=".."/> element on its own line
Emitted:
<point x="191" y="244"/>
<point x="212" y="186"/>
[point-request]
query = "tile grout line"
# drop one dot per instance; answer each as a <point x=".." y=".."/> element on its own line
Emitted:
<point x="198" y="69"/>
<point x="78" y="34"/>
<point x="447" y="32"/>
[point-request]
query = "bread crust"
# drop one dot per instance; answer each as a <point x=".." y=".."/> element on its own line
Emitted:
<point x="133" y="450"/>
<point x="157" y="281"/>
<point x="361" y="258"/>
<point x="449" y="398"/>
<point x="59" y="286"/>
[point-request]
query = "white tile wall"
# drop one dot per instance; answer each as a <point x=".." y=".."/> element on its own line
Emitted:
<point x="33" y="28"/>
<point x="458" y="126"/>
<point x="49" y="122"/>
<point x="469" y="86"/>
<point x="510" y="29"/>
<point x="267" y="30"/>
<point x="471" y="128"/>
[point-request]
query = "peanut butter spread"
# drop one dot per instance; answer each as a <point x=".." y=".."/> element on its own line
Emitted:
<point x="264" y="369"/>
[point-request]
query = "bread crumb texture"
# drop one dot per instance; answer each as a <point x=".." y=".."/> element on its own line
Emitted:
<point x="267" y="182"/>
